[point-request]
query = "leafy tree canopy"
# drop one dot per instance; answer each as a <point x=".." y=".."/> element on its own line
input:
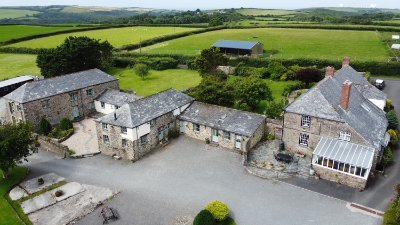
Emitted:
<point x="73" y="55"/>
<point x="16" y="144"/>
<point x="251" y="90"/>
<point x="141" y="70"/>
<point x="215" y="91"/>
<point x="208" y="61"/>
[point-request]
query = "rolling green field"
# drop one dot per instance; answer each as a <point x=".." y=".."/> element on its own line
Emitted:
<point x="8" y="32"/>
<point x="290" y="43"/>
<point x="13" y="65"/>
<point x="7" y="214"/>
<point x="263" y="12"/>
<point x="156" y="81"/>
<point x="16" y="13"/>
<point x="116" y="36"/>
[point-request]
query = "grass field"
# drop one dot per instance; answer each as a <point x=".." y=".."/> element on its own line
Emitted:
<point x="16" y="13"/>
<point x="263" y="12"/>
<point x="290" y="43"/>
<point x="8" y="32"/>
<point x="7" y="214"/>
<point x="13" y="65"/>
<point x="156" y="81"/>
<point x="116" y="36"/>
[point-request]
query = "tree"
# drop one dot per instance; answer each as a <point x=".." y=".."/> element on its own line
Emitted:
<point x="44" y="126"/>
<point x="65" y="124"/>
<point x="215" y="91"/>
<point x="141" y="70"/>
<point x="392" y="119"/>
<point x="208" y="61"/>
<point x="251" y="90"/>
<point x="276" y="69"/>
<point x="73" y="55"/>
<point x="16" y="144"/>
<point x="215" y="21"/>
<point x="274" y="109"/>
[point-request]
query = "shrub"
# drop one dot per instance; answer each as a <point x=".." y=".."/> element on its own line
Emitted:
<point x="228" y="221"/>
<point x="274" y="109"/>
<point x="57" y="133"/>
<point x="393" y="136"/>
<point x="387" y="159"/>
<point x="276" y="69"/>
<point x="65" y="124"/>
<point x="173" y="133"/>
<point x="289" y="88"/>
<point x="392" y="119"/>
<point x="44" y="126"/>
<point x="204" y="218"/>
<point x="218" y="209"/>
<point x="388" y="105"/>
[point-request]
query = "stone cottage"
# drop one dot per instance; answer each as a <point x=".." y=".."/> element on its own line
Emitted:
<point x="229" y="128"/>
<point x="71" y="96"/>
<point x="136" y="128"/>
<point x="343" y="131"/>
<point x="111" y="99"/>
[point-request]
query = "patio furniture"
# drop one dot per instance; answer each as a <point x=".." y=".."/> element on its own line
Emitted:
<point x="282" y="157"/>
<point x="108" y="214"/>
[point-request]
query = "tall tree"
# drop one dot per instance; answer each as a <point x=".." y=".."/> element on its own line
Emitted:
<point x="16" y="144"/>
<point x="208" y="61"/>
<point x="141" y="70"/>
<point x="251" y="90"/>
<point x="215" y="91"/>
<point x="73" y="55"/>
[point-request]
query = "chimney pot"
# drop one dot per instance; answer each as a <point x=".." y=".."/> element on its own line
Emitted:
<point x="345" y="95"/>
<point x="329" y="71"/>
<point x="346" y="61"/>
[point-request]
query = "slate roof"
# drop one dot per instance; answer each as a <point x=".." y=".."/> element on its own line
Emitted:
<point x="57" y="85"/>
<point x="221" y="118"/>
<point x="116" y="97"/>
<point x="367" y="89"/>
<point x="16" y="80"/>
<point x="145" y="109"/>
<point x="363" y="116"/>
<point x="247" y="45"/>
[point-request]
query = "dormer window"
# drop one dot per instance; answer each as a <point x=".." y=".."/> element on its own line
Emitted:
<point x="344" y="135"/>
<point x="305" y="121"/>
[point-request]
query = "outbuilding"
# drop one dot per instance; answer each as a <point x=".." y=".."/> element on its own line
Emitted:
<point x="8" y="86"/>
<point x="239" y="48"/>
<point x="396" y="46"/>
<point x="395" y="37"/>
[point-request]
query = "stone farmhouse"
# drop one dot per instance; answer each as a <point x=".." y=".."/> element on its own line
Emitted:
<point x="111" y="99"/>
<point x="71" y="96"/>
<point x="337" y="123"/>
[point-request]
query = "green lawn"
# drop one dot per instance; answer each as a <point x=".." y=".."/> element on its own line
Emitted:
<point x="8" y="32"/>
<point x="263" y="12"/>
<point x="16" y="13"/>
<point x="290" y="43"/>
<point x="13" y="65"/>
<point x="116" y="36"/>
<point x="156" y="81"/>
<point x="7" y="214"/>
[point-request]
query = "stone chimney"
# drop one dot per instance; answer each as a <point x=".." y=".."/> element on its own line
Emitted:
<point x="345" y="95"/>
<point x="346" y="61"/>
<point x="329" y="71"/>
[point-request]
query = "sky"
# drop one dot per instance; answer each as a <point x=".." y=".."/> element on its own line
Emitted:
<point x="211" y="4"/>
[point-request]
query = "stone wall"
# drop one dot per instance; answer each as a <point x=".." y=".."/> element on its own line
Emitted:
<point x="318" y="127"/>
<point x="135" y="149"/>
<point x="340" y="178"/>
<point x="274" y="127"/>
<point x="59" y="106"/>
<point x="52" y="145"/>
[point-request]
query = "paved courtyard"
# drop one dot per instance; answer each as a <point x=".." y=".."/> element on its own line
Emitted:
<point x="84" y="139"/>
<point x="181" y="178"/>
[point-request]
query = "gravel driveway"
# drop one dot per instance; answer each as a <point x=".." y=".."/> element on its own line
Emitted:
<point x="181" y="178"/>
<point x="84" y="139"/>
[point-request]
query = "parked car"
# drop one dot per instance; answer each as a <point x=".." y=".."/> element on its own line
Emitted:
<point x="380" y="84"/>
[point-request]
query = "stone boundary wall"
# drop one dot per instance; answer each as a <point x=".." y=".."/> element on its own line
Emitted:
<point x="274" y="127"/>
<point x="340" y="178"/>
<point x="52" y="145"/>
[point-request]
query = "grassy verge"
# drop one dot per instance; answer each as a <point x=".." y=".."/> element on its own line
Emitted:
<point x="10" y="212"/>
<point x="156" y="81"/>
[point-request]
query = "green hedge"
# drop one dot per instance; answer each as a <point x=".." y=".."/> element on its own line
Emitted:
<point x="325" y="27"/>
<point x="166" y="38"/>
<point x="21" y="50"/>
<point x="156" y="63"/>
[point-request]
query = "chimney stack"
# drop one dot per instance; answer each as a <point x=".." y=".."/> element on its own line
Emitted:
<point x="329" y="71"/>
<point x="345" y="95"/>
<point x="346" y="61"/>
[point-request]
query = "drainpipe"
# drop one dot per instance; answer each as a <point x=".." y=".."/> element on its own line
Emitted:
<point x="137" y="142"/>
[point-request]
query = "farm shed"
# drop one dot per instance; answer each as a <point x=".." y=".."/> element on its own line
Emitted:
<point x="7" y="86"/>
<point x="239" y="48"/>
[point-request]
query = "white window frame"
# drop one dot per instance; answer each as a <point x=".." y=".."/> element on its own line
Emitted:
<point x="345" y="136"/>
<point x="305" y="121"/>
<point x="103" y="105"/>
<point x="124" y="130"/>
<point x="227" y="135"/>
<point x="196" y="127"/>
<point x="104" y="126"/>
<point x="106" y="139"/>
<point x="303" y="139"/>
<point x="124" y="143"/>
<point x="144" y="139"/>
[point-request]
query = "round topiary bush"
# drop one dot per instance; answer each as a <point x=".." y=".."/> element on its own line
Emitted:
<point x="218" y="209"/>
<point x="204" y="218"/>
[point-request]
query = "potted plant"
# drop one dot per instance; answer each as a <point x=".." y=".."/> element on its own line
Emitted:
<point x="282" y="167"/>
<point x="59" y="193"/>
<point x="40" y="181"/>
